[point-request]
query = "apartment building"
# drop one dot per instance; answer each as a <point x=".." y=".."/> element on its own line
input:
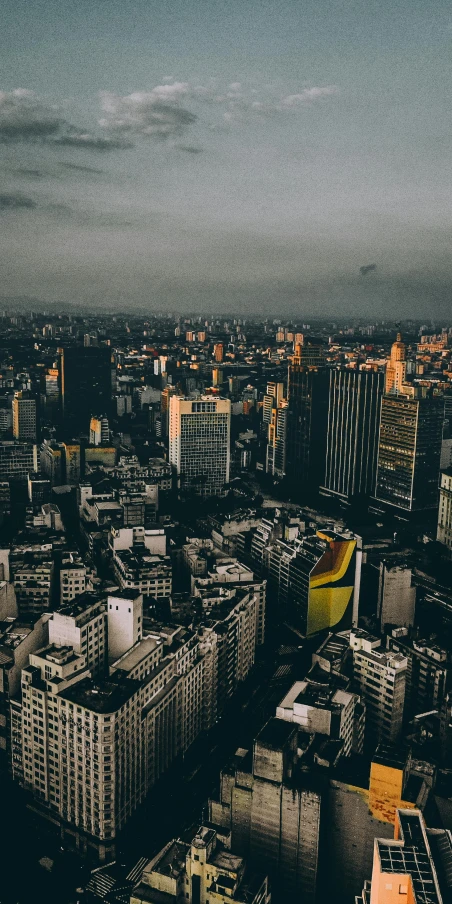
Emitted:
<point x="380" y="678"/>
<point x="82" y="625"/>
<point x="199" y="871"/>
<point x="138" y="569"/>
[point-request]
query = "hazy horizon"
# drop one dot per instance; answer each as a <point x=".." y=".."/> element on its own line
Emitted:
<point x="259" y="157"/>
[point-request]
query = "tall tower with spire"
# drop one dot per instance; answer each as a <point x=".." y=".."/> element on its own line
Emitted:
<point x="396" y="366"/>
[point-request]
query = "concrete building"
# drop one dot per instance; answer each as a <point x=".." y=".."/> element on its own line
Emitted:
<point x="396" y="595"/>
<point x="199" y="441"/>
<point x="138" y="570"/>
<point x="125" y="622"/>
<point x="444" y="531"/>
<point x="72" y="578"/>
<point x="380" y="678"/>
<point x="201" y="871"/>
<point x="428" y="672"/>
<point x="17" y="460"/>
<point x="321" y="708"/>
<point x="18" y="639"/>
<point x="24" y="418"/>
<point x="271" y="812"/>
<point x="99" y="431"/>
<point x="82" y="625"/>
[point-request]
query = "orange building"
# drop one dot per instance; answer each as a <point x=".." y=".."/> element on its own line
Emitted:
<point x="412" y="868"/>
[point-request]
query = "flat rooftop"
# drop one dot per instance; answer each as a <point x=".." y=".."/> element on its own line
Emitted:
<point x="137" y="653"/>
<point x="101" y="697"/>
<point x="276" y="733"/>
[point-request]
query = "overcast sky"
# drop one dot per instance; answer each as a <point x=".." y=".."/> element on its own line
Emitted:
<point x="240" y="155"/>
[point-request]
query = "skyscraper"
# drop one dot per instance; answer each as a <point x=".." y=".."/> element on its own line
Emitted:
<point x="307" y="418"/>
<point x="396" y="366"/>
<point x="409" y="452"/>
<point x="199" y="437"/>
<point x="352" y="437"/>
<point x="85" y="384"/>
<point x="24" y="417"/>
<point x="275" y="417"/>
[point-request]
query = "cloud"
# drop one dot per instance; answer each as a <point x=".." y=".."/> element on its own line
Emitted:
<point x="29" y="173"/>
<point x="308" y="95"/>
<point x="152" y="114"/>
<point x="189" y="148"/>
<point x="75" y="138"/>
<point x="80" y="168"/>
<point x="367" y="269"/>
<point x="16" y="201"/>
<point x="23" y="117"/>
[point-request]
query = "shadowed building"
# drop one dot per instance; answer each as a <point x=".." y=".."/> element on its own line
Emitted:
<point x="85" y="384"/>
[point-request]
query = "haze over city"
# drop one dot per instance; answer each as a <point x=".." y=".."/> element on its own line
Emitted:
<point x="244" y="157"/>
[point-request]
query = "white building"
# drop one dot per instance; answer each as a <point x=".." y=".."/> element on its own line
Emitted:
<point x="82" y="625"/>
<point x="381" y="679"/>
<point x="199" y="440"/>
<point x="125" y="622"/>
<point x="444" y="533"/>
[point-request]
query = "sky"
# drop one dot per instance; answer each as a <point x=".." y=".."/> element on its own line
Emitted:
<point x="243" y="156"/>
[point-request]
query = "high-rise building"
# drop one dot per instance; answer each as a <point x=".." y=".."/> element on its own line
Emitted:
<point x="396" y="367"/>
<point x="199" y="440"/>
<point x="307" y="419"/>
<point x="72" y="463"/>
<point x="352" y="437"/>
<point x="272" y="812"/>
<point x="414" y="867"/>
<point x="52" y="462"/>
<point x="317" y="580"/>
<point x="24" y="417"/>
<point x="99" y="431"/>
<point x="444" y="531"/>
<point x="17" y="460"/>
<point x="380" y="678"/>
<point x="85" y="384"/>
<point x="409" y="452"/>
<point x="218" y="352"/>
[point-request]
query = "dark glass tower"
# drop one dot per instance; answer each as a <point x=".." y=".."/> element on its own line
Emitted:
<point x="85" y="384"/>
<point x="352" y="436"/>
<point x="307" y="417"/>
<point x="409" y="452"/>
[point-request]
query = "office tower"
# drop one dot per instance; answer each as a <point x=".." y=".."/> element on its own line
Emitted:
<point x="396" y="367"/>
<point x="444" y="530"/>
<point x="199" y="440"/>
<point x="72" y="463"/>
<point x="24" y="417"/>
<point x="380" y="678"/>
<point x="317" y="580"/>
<point x="307" y="419"/>
<point x="218" y="352"/>
<point x="352" y="438"/>
<point x="52" y="462"/>
<point x="217" y="376"/>
<point x="414" y="867"/>
<point x="396" y="595"/>
<point x="165" y="398"/>
<point x="272" y="811"/>
<point x="428" y="673"/>
<point x="18" y="639"/>
<point x="39" y="489"/>
<point x="17" y="460"/>
<point x="193" y="872"/>
<point x="85" y="384"/>
<point x="409" y="452"/>
<point x="99" y="431"/>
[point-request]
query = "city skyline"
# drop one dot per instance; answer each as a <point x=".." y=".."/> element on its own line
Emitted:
<point x="204" y="157"/>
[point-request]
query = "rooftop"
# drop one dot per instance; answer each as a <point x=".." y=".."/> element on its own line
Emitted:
<point x="411" y="856"/>
<point x="104" y="696"/>
<point x="275" y="734"/>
